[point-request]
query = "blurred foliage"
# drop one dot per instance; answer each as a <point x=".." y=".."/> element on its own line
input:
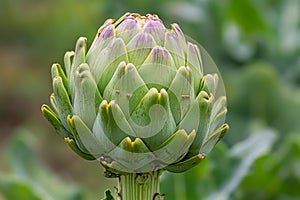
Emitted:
<point x="28" y="178"/>
<point x="212" y="182"/>
<point x="256" y="45"/>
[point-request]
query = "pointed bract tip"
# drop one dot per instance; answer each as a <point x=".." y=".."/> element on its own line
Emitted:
<point x="81" y="42"/>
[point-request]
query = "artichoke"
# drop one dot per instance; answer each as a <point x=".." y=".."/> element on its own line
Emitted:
<point x="142" y="98"/>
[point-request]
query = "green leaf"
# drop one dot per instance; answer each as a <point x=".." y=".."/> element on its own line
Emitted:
<point x="218" y="114"/>
<point x="160" y="56"/>
<point x="127" y="29"/>
<point x="54" y="120"/>
<point x="130" y="156"/>
<point x="197" y="118"/>
<point x="85" y="139"/>
<point x="79" y="58"/>
<point x="185" y="164"/>
<point x="64" y="106"/>
<point x="181" y="38"/>
<point x="57" y="71"/>
<point x="104" y="36"/>
<point x="139" y="48"/>
<point x="152" y="120"/>
<point x="72" y="144"/>
<point x="111" y="126"/>
<point x="213" y="139"/>
<point x="53" y="102"/>
<point x="181" y="93"/>
<point x="200" y="180"/>
<point x="68" y="58"/>
<point x="175" y="147"/>
<point x="87" y="97"/>
<point x="209" y="83"/>
<point x="126" y="87"/>
<point x="159" y="61"/>
<point x="108" y="195"/>
<point x="172" y="43"/>
<point x="156" y="29"/>
<point x="194" y="61"/>
<point x="107" y="62"/>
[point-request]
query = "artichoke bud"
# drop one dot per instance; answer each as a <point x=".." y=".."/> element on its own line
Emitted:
<point x="139" y="99"/>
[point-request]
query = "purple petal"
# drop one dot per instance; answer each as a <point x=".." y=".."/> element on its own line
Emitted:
<point x="139" y="48"/>
<point x="107" y="32"/>
<point x="104" y="38"/>
<point x="157" y="30"/>
<point x="127" y="29"/>
<point x="180" y="35"/>
<point x="158" y="68"/>
<point x="173" y="44"/>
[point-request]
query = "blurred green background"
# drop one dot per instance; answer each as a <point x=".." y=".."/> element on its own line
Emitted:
<point x="255" y="43"/>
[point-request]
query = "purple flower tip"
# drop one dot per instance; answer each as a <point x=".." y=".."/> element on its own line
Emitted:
<point x="107" y="32"/>
<point x="128" y="24"/>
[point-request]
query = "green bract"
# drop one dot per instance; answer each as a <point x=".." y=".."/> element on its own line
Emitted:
<point x="139" y="99"/>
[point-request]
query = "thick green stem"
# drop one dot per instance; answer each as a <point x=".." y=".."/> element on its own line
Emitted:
<point x="143" y="186"/>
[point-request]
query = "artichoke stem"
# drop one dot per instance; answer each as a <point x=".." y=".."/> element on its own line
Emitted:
<point x="141" y="186"/>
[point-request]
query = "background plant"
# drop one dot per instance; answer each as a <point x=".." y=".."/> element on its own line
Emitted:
<point x="255" y="44"/>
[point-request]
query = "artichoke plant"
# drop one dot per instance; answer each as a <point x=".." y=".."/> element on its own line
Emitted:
<point x="141" y="99"/>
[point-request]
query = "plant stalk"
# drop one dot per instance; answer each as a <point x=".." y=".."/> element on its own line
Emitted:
<point x="141" y="186"/>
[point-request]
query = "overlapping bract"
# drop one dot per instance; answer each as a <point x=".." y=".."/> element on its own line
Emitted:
<point x="138" y="99"/>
